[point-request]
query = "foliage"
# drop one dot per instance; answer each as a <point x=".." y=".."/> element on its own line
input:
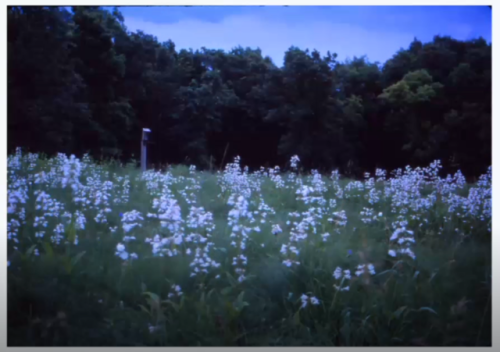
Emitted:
<point x="103" y="255"/>
<point x="81" y="82"/>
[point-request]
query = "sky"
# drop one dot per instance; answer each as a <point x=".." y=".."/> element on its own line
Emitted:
<point x="375" y="31"/>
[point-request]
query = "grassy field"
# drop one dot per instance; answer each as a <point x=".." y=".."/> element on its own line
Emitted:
<point x="102" y="255"/>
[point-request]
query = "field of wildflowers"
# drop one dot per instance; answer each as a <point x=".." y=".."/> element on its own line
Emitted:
<point x="103" y="255"/>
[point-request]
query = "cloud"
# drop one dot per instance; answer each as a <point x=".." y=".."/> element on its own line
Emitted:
<point x="274" y="38"/>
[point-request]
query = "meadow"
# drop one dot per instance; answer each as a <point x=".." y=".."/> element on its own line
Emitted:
<point x="100" y="254"/>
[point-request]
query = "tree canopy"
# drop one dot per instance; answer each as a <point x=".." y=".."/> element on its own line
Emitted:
<point x="81" y="82"/>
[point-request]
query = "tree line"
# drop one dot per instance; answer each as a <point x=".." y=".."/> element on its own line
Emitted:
<point x="81" y="82"/>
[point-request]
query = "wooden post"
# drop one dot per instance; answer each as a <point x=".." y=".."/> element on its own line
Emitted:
<point x="145" y="138"/>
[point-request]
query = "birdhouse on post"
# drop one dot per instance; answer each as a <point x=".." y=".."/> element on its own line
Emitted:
<point x="145" y="138"/>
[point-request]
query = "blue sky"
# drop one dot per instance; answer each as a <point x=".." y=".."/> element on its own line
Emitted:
<point x="375" y="31"/>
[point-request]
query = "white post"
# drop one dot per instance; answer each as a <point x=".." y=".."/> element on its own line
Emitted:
<point x="145" y="138"/>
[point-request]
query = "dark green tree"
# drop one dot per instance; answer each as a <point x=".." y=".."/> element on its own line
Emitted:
<point x="102" y="70"/>
<point x="81" y="82"/>
<point x="46" y="95"/>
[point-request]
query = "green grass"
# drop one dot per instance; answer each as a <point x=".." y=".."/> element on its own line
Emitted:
<point x="84" y="295"/>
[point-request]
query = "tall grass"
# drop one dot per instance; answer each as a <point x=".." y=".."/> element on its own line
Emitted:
<point x="84" y="291"/>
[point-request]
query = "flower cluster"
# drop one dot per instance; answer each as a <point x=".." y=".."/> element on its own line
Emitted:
<point x="291" y="253"/>
<point x="308" y="300"/>
<point x="294" y="161"/>
<point x="354" y="189"/>
<point x="341" y="276"/>
<point x="276" y="229"/>
<point x="274" y="175"/>
<point x="339" y="218"/>
<point x="402" y="239"/>
<point x="95" y="197"/>
<point x="176" y="291"/>
<point x="200" y="222"/>
<point x="130" y="220"/>
<point x="168" y="211"/>
<point x="234" y="180"/>
<point x="123" y="254"/>
<point x="238" y="219"/>
<point x="368" y="215"/>
<point x="365" y="268"/>
<point x="202" y="261"/>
